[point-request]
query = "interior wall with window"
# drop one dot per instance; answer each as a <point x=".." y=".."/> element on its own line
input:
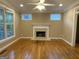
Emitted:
<point x="9" y="26"/>
<point x="55" y="27"/>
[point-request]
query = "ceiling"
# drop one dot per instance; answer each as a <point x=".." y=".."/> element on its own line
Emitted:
<point x="29" y="8"/>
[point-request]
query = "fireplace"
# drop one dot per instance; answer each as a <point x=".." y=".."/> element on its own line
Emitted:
<point x="40" y="34"/>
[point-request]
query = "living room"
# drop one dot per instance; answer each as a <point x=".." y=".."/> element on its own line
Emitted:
<point x="39" y="25"/>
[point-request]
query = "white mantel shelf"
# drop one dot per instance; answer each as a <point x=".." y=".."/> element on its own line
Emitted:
<point x="41" y="24"/>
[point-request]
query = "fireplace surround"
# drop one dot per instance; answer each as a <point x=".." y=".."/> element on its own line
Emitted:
<point x="40" y="32"/>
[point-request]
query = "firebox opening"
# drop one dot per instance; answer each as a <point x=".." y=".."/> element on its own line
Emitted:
<point x="40" y="34"/>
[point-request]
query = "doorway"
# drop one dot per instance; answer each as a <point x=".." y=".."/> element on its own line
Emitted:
<point x="77" y="30"/>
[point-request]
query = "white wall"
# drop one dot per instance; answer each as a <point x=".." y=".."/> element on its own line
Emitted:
<point x="69" y="26"/>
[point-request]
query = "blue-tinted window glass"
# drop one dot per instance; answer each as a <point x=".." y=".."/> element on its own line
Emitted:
<point x="9" y="17"/>
<point x="55" y="17"/>
<point x="2" y="31"/>
<point x="9" y="25"/>
<point x="2" y="34"/>
<point x="26" y="16"/>
<point x="1" y="16"/>
<point x="10" y="31"/>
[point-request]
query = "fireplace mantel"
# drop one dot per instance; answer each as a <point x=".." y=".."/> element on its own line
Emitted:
<point x="40" y="27"/>
<point x="40" y="24"/>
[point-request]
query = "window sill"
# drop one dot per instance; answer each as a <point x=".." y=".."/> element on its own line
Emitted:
<point x="9" y="38"/>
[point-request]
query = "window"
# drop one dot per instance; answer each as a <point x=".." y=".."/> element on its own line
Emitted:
<point x="26" y="16"/>
<point x="6" y="24"/>
<point x="55" y="17"/>
<point x="9" y="23"/>
<point x="2" y="36"/>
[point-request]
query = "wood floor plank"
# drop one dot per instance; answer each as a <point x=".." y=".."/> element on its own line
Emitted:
<point x="54" y="49"/>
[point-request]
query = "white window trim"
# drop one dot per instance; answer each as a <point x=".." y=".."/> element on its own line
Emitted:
<point x="8" y="38"/>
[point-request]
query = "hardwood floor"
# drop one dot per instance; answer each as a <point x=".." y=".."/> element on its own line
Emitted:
<point x="54" y="49"/>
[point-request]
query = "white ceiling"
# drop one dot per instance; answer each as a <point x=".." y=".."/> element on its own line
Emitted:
<point x="29" y="8"/>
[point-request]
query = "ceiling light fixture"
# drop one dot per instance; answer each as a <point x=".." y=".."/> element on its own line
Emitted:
<point x="21" y="5"/>
<point x="40" y="7"/>
<point x="60" y="4"/>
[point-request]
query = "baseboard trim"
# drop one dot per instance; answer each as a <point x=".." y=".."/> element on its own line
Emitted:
<point x="4" y="40"/>
<point x="1" y="49"/>
<point x="63" y="40"/>
<point x="49" y="38"/>
<point x="67" y="42"/>
<point x="26" y="37"/>
<point x="56" y="38"/>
